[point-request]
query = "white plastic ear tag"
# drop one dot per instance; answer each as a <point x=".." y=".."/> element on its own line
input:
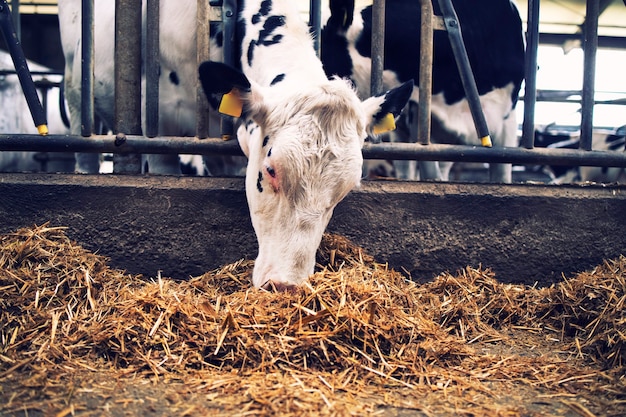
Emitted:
<point x="231" y="104"/>
<point x="386" y="124"/>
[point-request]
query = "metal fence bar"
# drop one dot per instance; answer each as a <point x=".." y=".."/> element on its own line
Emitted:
<point x="426" y="73"/>
<point x="229" y="20"/>
<point x="87" y="69"/>
<point x="203" y="54"/>
<point x="400" y="151"/>
<point x="127" y="119"/>
<point x="378" y="47"/>
<point x="530" y="91"/>
<point x="152" y="68"/>
<point x="465" y="70"/>
<point x="590" y="46"/>
<point x="315" y="22"/>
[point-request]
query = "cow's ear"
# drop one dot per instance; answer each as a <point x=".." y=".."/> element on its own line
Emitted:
<point x="382" y="110"/>
<point x="229" y="90"/>
<point x="341" y="14"/>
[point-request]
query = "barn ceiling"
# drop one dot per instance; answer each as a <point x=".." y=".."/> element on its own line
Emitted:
<point x="556" y="16"/>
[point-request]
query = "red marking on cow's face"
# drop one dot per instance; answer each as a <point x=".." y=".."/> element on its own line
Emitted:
<point x="272" y="177"/>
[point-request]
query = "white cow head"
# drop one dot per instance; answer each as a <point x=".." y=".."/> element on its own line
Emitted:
<point x="304" y="156"/>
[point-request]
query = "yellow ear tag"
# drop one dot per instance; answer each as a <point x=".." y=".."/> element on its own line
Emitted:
<point x="386" y="124"/>
<point x="231" y="104"/>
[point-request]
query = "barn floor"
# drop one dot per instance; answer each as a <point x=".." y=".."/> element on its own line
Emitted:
<point x="80" y="338"/>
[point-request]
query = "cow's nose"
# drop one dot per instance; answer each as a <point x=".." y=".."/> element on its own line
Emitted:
<point x="279" y="287"/>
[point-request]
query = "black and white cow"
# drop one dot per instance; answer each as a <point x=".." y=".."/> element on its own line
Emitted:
<point x="302" y="135"/>
<point x="601" y="140"/>
<point x="177" y="81"/>
<point x="492" y="31"/>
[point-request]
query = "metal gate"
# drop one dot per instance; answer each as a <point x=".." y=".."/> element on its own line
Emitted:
<point x="130" y="142"/>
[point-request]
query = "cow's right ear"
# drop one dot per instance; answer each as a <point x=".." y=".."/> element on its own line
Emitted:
<point x="228" y="90"/>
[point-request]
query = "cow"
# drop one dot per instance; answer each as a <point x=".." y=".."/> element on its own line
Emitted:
<point x="493" y="36"/>
<point x="302" y="134"/>
<point x="177" y="80"/>
<point x="15" y="117"/>
<point x="601" y="140"/>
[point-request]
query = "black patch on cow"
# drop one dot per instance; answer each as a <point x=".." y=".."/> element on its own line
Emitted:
<point x="174" y="78"/>
<point x="259" y="186"/>
<point x="269" y="153"/>
<point x="265" y="140"/>
<point x="271" y="171"/>
<point x="278" y="79"/>
<point x="615" y="142"/>
<point x="266" y="8"/>
<point x="215" y="28"/>
<point x="492" y="33"/>
<point x="267" y="36"/>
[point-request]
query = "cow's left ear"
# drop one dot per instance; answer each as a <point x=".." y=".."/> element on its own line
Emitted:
<point x="228" y="90"/>
<point x="382" y="110"/>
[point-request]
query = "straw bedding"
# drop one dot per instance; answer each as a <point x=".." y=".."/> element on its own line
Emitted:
<point x="78" y="337"/>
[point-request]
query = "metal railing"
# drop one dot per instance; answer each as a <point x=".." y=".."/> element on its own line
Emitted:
<point x="130" y="141"/>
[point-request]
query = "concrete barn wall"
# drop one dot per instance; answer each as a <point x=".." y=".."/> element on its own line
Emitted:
<point x="186" y="226"/>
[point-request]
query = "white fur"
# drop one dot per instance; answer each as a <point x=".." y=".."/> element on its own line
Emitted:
<point x="316" y="128"/>
<point x="177" y="103"/>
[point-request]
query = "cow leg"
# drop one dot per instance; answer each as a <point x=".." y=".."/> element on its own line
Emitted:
<point x="429" y="170"/>
<point x="163" y="164"/>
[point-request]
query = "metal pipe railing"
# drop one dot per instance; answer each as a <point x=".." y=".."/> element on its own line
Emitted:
<point x="530" y="69"/>
<point x="426" y="72"/>
<point x="203" y="53"/>
<point x="127" y="114"/>
<point x="590" y="46"/>
<point x="153" y="59"/>
<point x="401" y="151"/>
<point x="378" y="47"/>
<point x="87" y="68"/>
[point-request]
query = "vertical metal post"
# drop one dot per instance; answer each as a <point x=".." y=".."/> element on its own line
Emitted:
<point x="378" y="47"/>
<point x="127" y="118"/>
<point x="530" y="89"/>
<point x="426" y="73"/>
<point x="590" y="45"/>
<point x="152" y="68"/>
<point x="87" y="69"/>
<point x="21" y="68"/>
<point x="315" y="22"/>
<point x="203" y="54"/>
<point x="465" y="70"/>
<point x="17" y="19"/>
<point x="229" y="19"/>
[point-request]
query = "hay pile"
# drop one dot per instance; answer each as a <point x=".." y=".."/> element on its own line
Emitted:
<point x="355" y="324"/>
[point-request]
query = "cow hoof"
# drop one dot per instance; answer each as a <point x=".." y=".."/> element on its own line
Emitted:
<point x="280" y="287"/>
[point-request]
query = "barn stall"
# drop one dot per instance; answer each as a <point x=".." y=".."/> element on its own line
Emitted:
<point x="131" y="294"/>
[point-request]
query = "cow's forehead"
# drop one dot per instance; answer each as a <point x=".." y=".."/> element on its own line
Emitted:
<point x="333" y="108"/>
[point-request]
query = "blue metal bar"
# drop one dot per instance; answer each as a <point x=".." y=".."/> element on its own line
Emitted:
<point x="530" y="92"/>
<point x="590" y="46"/>
<point x="87" y="69"/>
<point x="21" y="68"/>
<point x="399" y="151"/>
<point x="465" y="70"/>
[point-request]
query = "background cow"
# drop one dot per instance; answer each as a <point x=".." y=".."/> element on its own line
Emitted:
<point x="177" y="81"/>
<point x="303" y="136"/>
<point x="492" y="31"/>
<point x="15" y="117"/>
<point x="602" y="140"/>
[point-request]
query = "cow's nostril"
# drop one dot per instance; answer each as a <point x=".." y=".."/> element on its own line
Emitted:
<point x="279" y="287"/>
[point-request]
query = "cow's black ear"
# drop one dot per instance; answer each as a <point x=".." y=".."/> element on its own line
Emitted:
<point x="219" y="78"/>
<point x="341" y="14"/>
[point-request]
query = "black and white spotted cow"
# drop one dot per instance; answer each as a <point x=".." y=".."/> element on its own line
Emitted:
<point x="601" y="140"/>
<point x="302" y="135"/>
<point x="493" y="36"/>
<point x="177" y="81"/>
